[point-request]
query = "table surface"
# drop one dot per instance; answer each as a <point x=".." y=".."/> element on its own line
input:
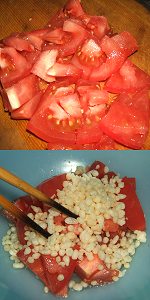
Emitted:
<point x="20" y="15"/>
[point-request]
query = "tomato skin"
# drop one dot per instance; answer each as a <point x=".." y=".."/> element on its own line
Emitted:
<point x="27" y="110"/>
<point x="36" y="267"/>
<point x="122" y="45"/>
<point x="88" y="271"/>
<point x="127" y="120"/>
<point x="15" y="66"/>
<point x="129" y="79"/>
<point x="104" y="143"/>
<point x="45" y="61"/>
<point x="53" y="269"/>
<point x="22" y="91"/>
<point x="135" y="219"/>
<point x="110" y="226"/>
<point x="89" y="134"/>
<point x="50" y="186"/>
<point x="74" y="8"/>
<point x="16" y="41"/>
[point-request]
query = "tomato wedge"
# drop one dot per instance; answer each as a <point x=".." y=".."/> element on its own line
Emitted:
<point x="14" y="66"/>
<point x="135" y="219"/>
<point x="88" y="271"/>
<point x="105" y="143"/>
<point x="45" y="61"/>
<point x="127" y="120"/>
<point x="18" y="42"/>
<point x="74" y="8"/>
<point x="129" y="79"/>
<point x="36" y="267"/>
<point x="23" y="91"/>
<point x="53" y="269"/>
<point x="117" y="49"/>
<point x="27" y="110"/>
<point x="50" y="186"/>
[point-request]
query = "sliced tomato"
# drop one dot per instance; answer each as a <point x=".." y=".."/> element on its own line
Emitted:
<point x="64" y="70"/>
<point x="89" y="133"/>
<point x="45" y="61"/>
<point x="127" y="120"/>
<point x="56" y="117"/>
<point x="50" y="186"/>
<point x="117" y="49"/>
<point x="24" y="203"/>
<point x="13" y="66"/>
<point x="91" y="53"/>
<point x="79" y="34"/>
<point x="53" y="269"/>
<point x="99" y="26"/>
<point x="129" y="78"/>
<point x="86" y="70"/>
<point x="88" y="271"/>
<point x="31" y="57"/>
<point x="99" y="166"/>
<point x="22" y="91"/>
<point x="110" y="226"/>
<point x="27" y="110"/>
<point x="18" y="42"/>
<point x="55" y="36"/>
<point x="105" y="143"/>
<point x="74" y="8"/>
<point x="135" y="219"/>
<point x="57" y="20"/>
<point x="36" y="267"/>
<point x="37" y="37"/>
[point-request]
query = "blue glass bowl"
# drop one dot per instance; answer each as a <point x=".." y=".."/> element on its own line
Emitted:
<point x="36" y="166"/>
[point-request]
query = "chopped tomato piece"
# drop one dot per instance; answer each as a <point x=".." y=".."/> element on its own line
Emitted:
<point x="89" y="133"/>
<point x="135" y="219"/>
<point x="36" y="267"/>
<point x="129" y="78"/>
<point x="31" y="57"/>
<point x="14" y="66"/>
<point x="99" y="26"/>
<point x="88" y="271"/>
<point x="127" y="120"/>
<point x="23" y="91"/>
<point x="104" y="143"/>
<point x="116" y="55"/>
<point x="27" y="110"/>
<point x="50" y="186"/>
<point x="18" y="42"/>
<point x="86" y="70"/>
<point x="79" y="34"/>
<point x="53" y="269"/>
<point x="57" y="20"/>
<point x="55" y="36"/>
<point x="74" y="8"/>
<point x="37" y="37"/>
<point x="110" y="226"/>
<point x="45" y="61"/>
<point x="65" y="69"/>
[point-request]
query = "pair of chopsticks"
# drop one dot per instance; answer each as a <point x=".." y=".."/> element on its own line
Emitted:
<point x="29" y="189"/>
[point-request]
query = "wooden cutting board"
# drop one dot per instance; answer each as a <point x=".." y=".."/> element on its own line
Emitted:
<point x="21" y="15"/>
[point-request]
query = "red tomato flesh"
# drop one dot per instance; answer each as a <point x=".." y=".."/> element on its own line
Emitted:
<point x="88" y="271"/>
<point x="27" y="110"/>
<point x="127" y="120"/>
<point x="129" y="79"/>
<point x="135" y="219"/>
<point x="23" y="91"/>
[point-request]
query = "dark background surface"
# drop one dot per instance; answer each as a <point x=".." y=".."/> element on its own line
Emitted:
<point x="146" y="3"/>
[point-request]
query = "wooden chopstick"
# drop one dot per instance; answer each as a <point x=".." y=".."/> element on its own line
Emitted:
<point x="15" y="211"/>
<point x="29" y="189"/>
